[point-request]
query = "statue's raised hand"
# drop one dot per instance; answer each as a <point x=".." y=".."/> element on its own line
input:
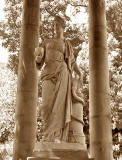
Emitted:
<point x="39" y="53"/>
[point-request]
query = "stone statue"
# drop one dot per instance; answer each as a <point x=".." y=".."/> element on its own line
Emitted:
<point x="76" y="134"/>
<point x="58" y="88"/>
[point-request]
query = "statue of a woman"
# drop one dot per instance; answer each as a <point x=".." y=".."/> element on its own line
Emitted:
<point x="57" y="55"/>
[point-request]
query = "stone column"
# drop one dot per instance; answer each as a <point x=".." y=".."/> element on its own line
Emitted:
<point x="27" y="88"/>
<point x="100" y="116"/>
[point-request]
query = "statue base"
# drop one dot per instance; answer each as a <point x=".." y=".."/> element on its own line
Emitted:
<point x="59" y="151"/>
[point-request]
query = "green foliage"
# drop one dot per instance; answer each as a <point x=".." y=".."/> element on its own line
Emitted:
<point x="116" y="102"/>
<point x="7" y="103"/>
<point x="114" y="23"/>
<point x="11" y="28"/>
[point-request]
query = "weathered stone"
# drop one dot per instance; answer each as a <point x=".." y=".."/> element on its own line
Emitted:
<point x="62" y="151"/>
<point x="58" y="86"/>
<point x="38" y="158"/>
<point x="52" y="146"/>
<point x="62" y="103"/>
<point x="76" y="134"/>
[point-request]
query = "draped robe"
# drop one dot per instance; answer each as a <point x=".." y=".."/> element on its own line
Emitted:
<point x="56" y="89"/>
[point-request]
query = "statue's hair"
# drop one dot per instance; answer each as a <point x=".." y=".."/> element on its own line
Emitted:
<point x="60" y="20"/>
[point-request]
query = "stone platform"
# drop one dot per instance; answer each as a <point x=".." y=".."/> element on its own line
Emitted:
<point x="59" y="151"/>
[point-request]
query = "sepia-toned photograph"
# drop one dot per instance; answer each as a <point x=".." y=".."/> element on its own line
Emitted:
<point x="60" y="80"/>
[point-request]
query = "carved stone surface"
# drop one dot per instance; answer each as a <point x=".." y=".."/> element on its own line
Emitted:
<point x="58" y="89"/>
<point x="62" y="151"/>
<point x="76" y="134"/>
<point x="62" y="103"/>
<point x="38" y="158"/>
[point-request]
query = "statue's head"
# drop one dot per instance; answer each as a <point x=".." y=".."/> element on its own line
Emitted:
<point x="59" y="24"/>
<point x="60" y="21"/>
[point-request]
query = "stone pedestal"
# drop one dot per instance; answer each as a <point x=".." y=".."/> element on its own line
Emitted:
<point x="59" y="151"/>
<point x="76" y="134"/>
<point x="73" y="149"/>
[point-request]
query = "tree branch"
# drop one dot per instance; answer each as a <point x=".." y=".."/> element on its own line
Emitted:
<point x="48" y="11"/>
<point x="3" y="34"/>
<point x="78" y="5"/>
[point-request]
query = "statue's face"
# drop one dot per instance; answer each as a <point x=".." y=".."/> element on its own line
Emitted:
<point x="58" y="27"/>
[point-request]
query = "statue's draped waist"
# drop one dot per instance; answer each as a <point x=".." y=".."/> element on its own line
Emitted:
<point x="53" y="66"/>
